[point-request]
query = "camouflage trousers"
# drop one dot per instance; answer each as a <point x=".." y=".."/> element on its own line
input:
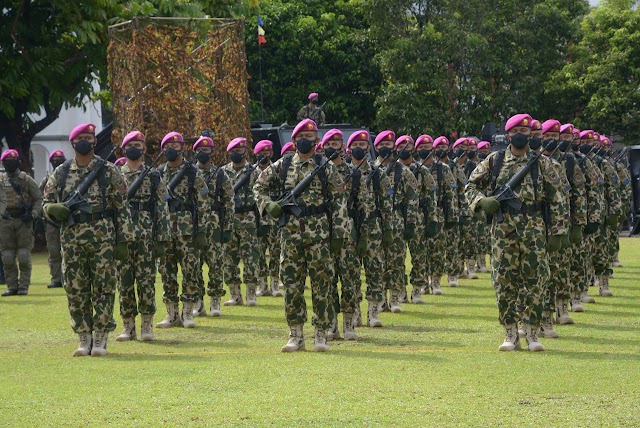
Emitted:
<point x="347" y="271"/>
<point x="519" y="268"/>
<point x="374" y="265"/>
<point x="484" y="232"/>
<point x="297" y="260"/>
<point x="453" y="237"/>
<point x="395" y="276"/>
<point x="213" y="256"/>
<point x="579" y="260"/>
<point x="419" y="270"/>
<point x="436" y="253"/>
<point x="180" y="251"/>
<point x="600" y="254"/>
<point x="557" y="285"/>
<point x="613" y="241"/>
<point x="468" y="247"/>
<point x="245" y="246"/>
<point x="16" y="243"/>
<point x="52" y="234"/>
<point x="89" y="276"/>
<point x="138" y="273"/>
<point x="270" y="266"/>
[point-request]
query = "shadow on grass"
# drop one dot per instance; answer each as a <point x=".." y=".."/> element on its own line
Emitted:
<point x="605" y="327"/>
<point x="596" y="356"/>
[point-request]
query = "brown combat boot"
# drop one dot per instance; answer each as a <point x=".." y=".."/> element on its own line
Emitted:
<point x="147" y="328"/>
<point x="236" y="297"/>
<point x="99" y="343"/>
<point x="546" y="326"/>
<point x="531" y="333"/>
<point x="320" y="340"/>
<point x="187" y="315"/>
<point x="296" y="339"/>
<point x="173" y="317"/>
<point x="511" y="340"/>
<point x="562" y="312"/>
<point x="603" y="288"/>
<point x="129" y="332"/>
<point x="86" y="340"/>
<point x="372" y="315"/>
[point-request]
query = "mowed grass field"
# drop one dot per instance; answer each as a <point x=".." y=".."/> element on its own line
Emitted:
<point x="435" y="364"/>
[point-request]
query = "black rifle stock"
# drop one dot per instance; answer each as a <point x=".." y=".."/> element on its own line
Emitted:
<point x="133" y="189"/>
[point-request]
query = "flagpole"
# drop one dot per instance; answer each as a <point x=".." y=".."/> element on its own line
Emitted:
<point x="261" y="94"/>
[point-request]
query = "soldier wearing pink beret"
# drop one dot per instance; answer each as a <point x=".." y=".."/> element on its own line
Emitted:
<point x="312" y="111"/>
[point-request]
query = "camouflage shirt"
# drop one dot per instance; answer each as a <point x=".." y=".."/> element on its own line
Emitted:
<point x="427" y="193"/>
<point x="612" y="194"/>
<point x="577" y="192"/>
<point x="220" y="200"/>
<point x="360" y="204"/>
<point x="594" y="184"/>
<point x="446" y="193"/>
<point x="314" y="113"/>
<point x="461" y="181"/>
<point x="95" y="200"/>
<point x="403" y="194"/>
<point x="625" y="185"/>
<point x="142" y="204"/>
<point x="312" y="227"/>
<point x="21" y="192"/>
<point x="547" y="188"/>
<point x="244" y="200"/>
<point x="181" y="220"/>
<point x="381" y="199"/>
<point x="3" y="202"/>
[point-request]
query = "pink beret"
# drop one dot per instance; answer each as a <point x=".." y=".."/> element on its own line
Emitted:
<point x="287" y="148"/>
<point x="551" y="125"/>
<point x="440" y="141"/>
<point x="332" y="134"/>
<point x="522" y="119"/>
<point x="384" y="136"/>
<point x="576" y="132"/>
<point x="358" y="136"/>
<point x="605" y="141"/>
<point x="586" y="135"/>
<point x="202" y="142"/>
<point x="460" y="141"/>
<point x="567" y="128"/>
<point x="305" y="125"/>
<point x="83" y="128"/>
<point x="56" y="154"/>
<point x="9" y="154"/>
<point x="132" y="136"/>
<point x="423" y="139"/>
<point x="483" y="145"/>
<point x="171" y="136"/>
<point x="263" y="145"/>
<point x="404" y="139"/>
<point x="313" y="95"/>
<point x="535" y="125"/>
<point x="120" y="161"/>
<point x="596" y="136"/>
<point x="239" y="141"/>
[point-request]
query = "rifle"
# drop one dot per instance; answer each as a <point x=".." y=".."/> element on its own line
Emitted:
<point x="133" y="189"/>
<point x="176" y="179"/>
<point x="288" y="202"/>
<point x="76" y="198"/>
<point x="245" y="178"/>
<point x="375" y="169"/>
<point x="581" y="161"/>
<point x="505" y="194"/>
<point x="620" y="155"/>
<point x="313" y="116"/>
<point x="353" y="171"/>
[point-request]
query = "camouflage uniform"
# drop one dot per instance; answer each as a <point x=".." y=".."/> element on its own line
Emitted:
<point x="244" y="244"/>
<point x="270" y="242"/>
<point x="519" y="255"/>
<point x="191" y="198"/>
<point x="138" y="271"/>
<point x="23" y="205"/>
<point x="52" y="235"/>
<point x="404" y="204"/>
<point x="625" y="195"/>
<point x="470" y="232"/>
<point x="219" y="205"/>
<point x="314" y="113"/>
<point x="456" y="251"/>
<point x="305" y="240"/>
<point x="88" y="268"/>
<point x="427" y="187"/>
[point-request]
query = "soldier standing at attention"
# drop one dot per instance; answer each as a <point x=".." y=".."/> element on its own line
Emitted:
<point x="312" y="111"/>
<point x="484" y="148"/>
<point x="52" y="231"/>
<point x="220" y="211"/>
<point x="24" y="204"/>
<point x="188" y="208"/>
<point x="244" y="244"/>
<point x="518" y="236"/>
<point x="149" y="220"/>
<point x="308" y="240"/>
<point x="94" y="234"/>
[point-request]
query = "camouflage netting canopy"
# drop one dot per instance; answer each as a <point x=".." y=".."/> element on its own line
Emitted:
<point x="184" y="75"/>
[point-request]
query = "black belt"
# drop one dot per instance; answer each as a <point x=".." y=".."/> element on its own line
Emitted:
<point x="180" y="207"/>
<point x="246" y="209"/>
<point x="16" y="212"/>
<point x="141" y="206"/>
<point x="525" y="209"/>
<point x="314" y="210"/>
<point x="91" y="217"/>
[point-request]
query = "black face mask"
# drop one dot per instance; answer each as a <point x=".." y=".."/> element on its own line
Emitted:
<point x="11" y="165"/>
<point x="564" y="145"/>
<point x="404" y="154"/>
<point x="584" y="149"/>
<point x="314" y="101"/>
<point x="483" y="155"/>
<point x="471" y="154"/>
<point x="424" y="153"/>
<point x="203" y="157"/>
<point x="519" y="141"/>
<point x="575" y="147"/>
<point x="383" y="152"/>
<point x="304" y="146"/>
<point x="236" y="157"/>
<point x="171" y="154"/>
<point x="57" y="163"/>
<point x="550" y="144"/>
<point x="460" y="152"/>
<point x="329" y="151"/>
<point x="83" y="147"/>
<point x="347" y="159"/>
<point x="358" y="153"/>
<point x="133" y="153"/>
<point x="263" y="160"/>
<point x="535" y="143"/>
<point x="440" y="153"/>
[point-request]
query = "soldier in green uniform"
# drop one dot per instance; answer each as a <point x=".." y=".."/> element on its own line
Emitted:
<point x="188" y="205"/>
<point x="23" y="206"/>
<point x="308" y="238"/>
<point x="220" y="213"/>
<point x="471" y="230"/>
<point x="145" y="197"/>
<point x="484" y="148"/>
<point x="312" y="111"/>
<point x="244" y="244"/>
<point x="625" y="193"/>
<point x="94" y="234"/>
<point x="518" y="235"/>
<point x="462" y="231"/>
<point x="52" y="231"/>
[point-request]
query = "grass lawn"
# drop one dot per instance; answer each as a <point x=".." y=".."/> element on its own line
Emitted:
<point x="435" y="364"/>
